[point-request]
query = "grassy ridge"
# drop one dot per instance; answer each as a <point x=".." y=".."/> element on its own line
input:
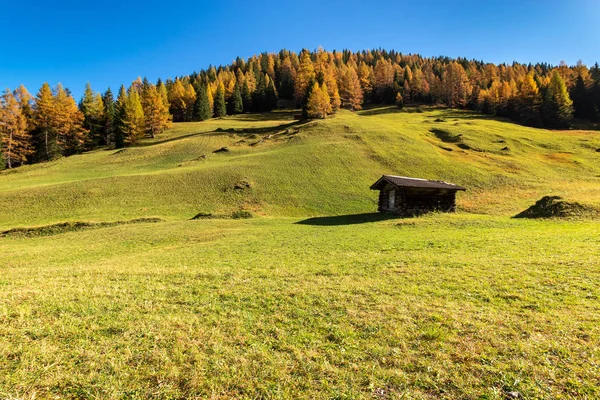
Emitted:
<point x="325" y="168"/>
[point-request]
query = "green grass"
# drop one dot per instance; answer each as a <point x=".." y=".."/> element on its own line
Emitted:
<point x="323" y="169"/>
<point x="316" y="296"/>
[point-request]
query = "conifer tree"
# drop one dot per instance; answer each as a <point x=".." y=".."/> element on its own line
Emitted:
<point x="119" y="116"/>
<point x="399" y="100"/>
<point x="557" y="107"/>
<point x="304" y="77"/>
<point x="319" y="103"/>
<point x="351" y="94"/>
<point x="237" y="101"/>
<point x="270" y="95"/>
<point x="92" y="107"/>
<point x="211" y="99"/>
<point x="44" y="117"/>
<point x="177" y="100"/>
<point x="220" y="109"/>
<point x="71" y="134"/>
<point x="24" y="98"/>
<point x="259" y="95"/>
<point x="384" y="82"/>
<point x="528" y="103"/>
<point x="156" y="113"/>
<point x="582" y="101"/>
<point x="15" y="144"/>
<point x="246" y="97"/>
<point x="202" y="110"/>
<point x="108" y="122"/>
<point x="456" y="85"/>
<point x="189" y="99"/>
<point x="133" y="121"/>
<point x="2" y="161"/>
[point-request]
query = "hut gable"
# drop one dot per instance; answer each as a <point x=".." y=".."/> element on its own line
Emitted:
<point x="411" y="196"/>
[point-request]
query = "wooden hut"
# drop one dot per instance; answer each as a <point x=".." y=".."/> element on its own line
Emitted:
<point x="413" y="196"/>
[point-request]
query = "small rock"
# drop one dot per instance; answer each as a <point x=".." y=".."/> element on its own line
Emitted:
<point x="597" y="150"/>
<point x="513" y="395"/>
<point x="505" y="148"/>
<point x="222" y="150"/>
<point x="439" y="120"/>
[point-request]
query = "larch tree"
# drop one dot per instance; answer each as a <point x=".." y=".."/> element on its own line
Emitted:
<point x="16" y="145"/>
<point x="457" y="85"/>
<point x="399" y="100"/>
<point x="528" y="101"/>
<point x="44" y="118"/>
<point x="132" y="119"/>
<point x="384" y="82"/>
<point x="319" y="103"/>
<point x="177" y="101"/>
<point x="156" y="113"/>
<point x="189" y="99"/>
<point x="304" y="75"/>
<point x="351" y="94"/>
<point x="71" y="133"/>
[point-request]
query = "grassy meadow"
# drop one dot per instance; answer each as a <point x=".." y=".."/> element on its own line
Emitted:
<point x="317" y="296"/>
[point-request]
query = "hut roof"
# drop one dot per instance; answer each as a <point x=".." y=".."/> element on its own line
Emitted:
<point x="406" y="182"/>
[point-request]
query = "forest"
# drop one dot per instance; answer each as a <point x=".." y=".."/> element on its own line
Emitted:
<point x="51" y="124"/>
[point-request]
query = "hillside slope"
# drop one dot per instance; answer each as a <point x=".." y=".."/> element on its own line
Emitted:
<point x="321" y="167"/>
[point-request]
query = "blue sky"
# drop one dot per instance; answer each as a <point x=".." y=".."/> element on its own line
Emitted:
<point x="112" y="42"/>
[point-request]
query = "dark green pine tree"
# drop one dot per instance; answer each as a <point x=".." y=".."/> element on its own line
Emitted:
<point x="259" y="95"/>
<point x="309" y="89"/>
<point x="220" y="108"/>
<point x="582" y="101"/>
<point x="246" y="97"/>
<point x="237" y="101"/>
<point x="271" y="96"/>
<point x="109" y="117"/>
<point x="92" y="111"/>
<point x="201" y="106"/>
<point x="594" y="99"/>
<point x="119" y="113"/>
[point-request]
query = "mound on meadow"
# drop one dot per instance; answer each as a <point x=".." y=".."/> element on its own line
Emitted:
<point x="556" y="207"/>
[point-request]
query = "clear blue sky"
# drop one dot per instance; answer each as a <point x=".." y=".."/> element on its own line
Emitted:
<point x="112" y="42"/>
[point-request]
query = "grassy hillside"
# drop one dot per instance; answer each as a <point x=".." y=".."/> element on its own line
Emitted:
<point x="319" y="297"/>
<point x="317" y="168"/>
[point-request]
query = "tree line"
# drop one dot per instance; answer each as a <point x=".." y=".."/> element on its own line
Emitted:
<point x="51" y="124"/>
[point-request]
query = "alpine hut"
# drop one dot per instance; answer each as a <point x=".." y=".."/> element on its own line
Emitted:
<point x="412" y="196"/>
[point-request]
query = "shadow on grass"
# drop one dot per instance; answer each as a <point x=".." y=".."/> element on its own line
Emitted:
<point x="271" y="116"/>
<point x="224" y="131"/>
<point x="351" y="219"/>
